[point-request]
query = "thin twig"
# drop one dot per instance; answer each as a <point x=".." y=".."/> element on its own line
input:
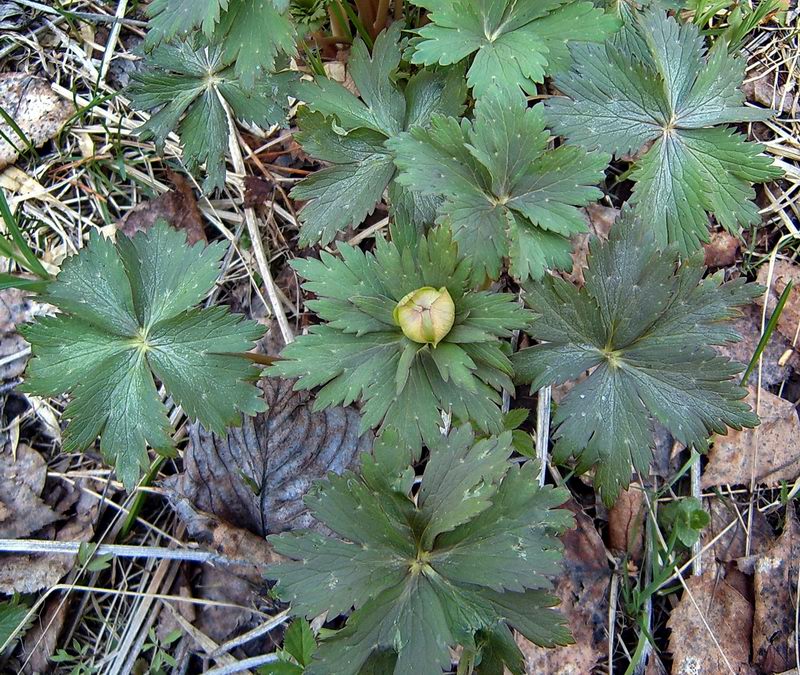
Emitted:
<point x="243" y="665"/>
<point x="33" y="546"/>
<point x="83" y="16"/>
<point x="257" y="632"/>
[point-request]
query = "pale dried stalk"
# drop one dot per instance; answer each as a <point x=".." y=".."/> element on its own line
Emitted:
<point x="255" y="236"/>
<point x="697" y="547"/>
<point x="35" y="546"/>
<point x="241" y="666"/>
<point x="543" y="399"/>
<point x="113" y="36"/>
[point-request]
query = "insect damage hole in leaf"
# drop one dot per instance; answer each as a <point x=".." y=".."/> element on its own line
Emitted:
<point x="128" y="316"/>
<point x="472" y="551"/>
<point x="645" y="326"/>
<point x="655" y="83"/>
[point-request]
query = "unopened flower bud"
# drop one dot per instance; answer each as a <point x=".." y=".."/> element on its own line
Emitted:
<point x="426" y="315"/>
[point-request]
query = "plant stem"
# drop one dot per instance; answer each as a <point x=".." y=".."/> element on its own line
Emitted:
<point x="365" y="13"/>
<point x="141" y="496"/>
<point x="336" y="14"/>
<point x="381" y="17"/>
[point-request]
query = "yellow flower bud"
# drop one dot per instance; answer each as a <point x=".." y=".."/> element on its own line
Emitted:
<point x="426" y="315"/>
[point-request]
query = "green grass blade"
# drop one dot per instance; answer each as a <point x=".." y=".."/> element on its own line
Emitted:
<point x="32" y="285"/>
<point x="359" y="24"/>
<point x="762" y="343"/>
<point x="32" y="262"/>
<point x="18" y="131"/>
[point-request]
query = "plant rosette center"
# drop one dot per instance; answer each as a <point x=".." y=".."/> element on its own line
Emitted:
<point x="426" y="315"/>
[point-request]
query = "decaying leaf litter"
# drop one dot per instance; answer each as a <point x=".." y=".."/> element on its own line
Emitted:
<point x="97" y="171"/>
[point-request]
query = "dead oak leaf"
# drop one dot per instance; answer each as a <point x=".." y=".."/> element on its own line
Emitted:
<point x="767" y="88"/>
<point x="775" y="578"/>
<point x="583" y="590"/>
<point x="600" y="219"/>
<point x="711" y="628"/>
<point x="35" y="108"/>
<point x="721" y="250"/>
<point x="238" y="488"/>
<point x="768" y="452"/>
<point x="257" y="475"/>
<point x="257" y="191"/>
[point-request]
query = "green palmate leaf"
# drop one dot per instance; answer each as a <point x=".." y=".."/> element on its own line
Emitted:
<point x="127" y="316"/>
<point x="351" y="132"/>
<point x="12" y="619"/>
<point x="471" y="553"/>
<point x="515" y="42"/>
<point x="250" y="33"/>
<point x="171" y="18"/>
<point x="188" y="87"/>
<point x="655" y="83"/>
<point x="684" y="519"/>
<point x="506" y="194"/>
<point x="299" y="641"/>
<point x="645" y="326"/>
<point x="360" y="353"/>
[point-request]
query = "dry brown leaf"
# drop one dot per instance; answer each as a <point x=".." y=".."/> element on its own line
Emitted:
<point x="257" y="191"/>
<point x="600" y="219"/>
<point x="15" y="308"/>
<point x="767" y="89"/>
<point x="36" y="109"/>
<point x="733" y="543"/>
<point x="338" y="71"/>
<point x="783" y="272"/>
<point x="178" y="207"/>
<point x="729" y="616"/>
<point x="32" y="573"/>
<point x="772" y="445"/>
<point x="40" y="641"/>
<point x="626" y="523"/>
<point x="22" y="509"/>
<point x="583" y="590"/>
<point x="775" y="581"/>
<point x="256" y="477"/>
<point x="773" y="369"/>
<point x="13" y="353"/>
<point x="237" y="489"/>
<point x="721" y="250"/>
